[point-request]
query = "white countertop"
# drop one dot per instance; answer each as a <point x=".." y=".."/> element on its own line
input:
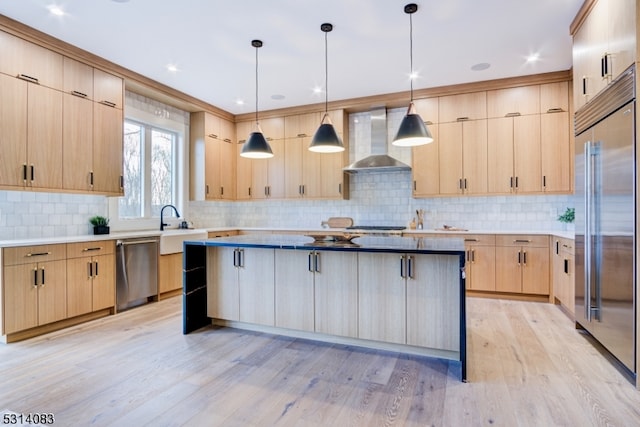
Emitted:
<point x="156" y="233"/>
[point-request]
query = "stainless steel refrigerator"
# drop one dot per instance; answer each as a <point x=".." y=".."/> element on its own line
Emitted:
<point x="605" y="218"/>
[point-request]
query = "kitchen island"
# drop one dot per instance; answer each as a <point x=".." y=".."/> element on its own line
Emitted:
<point x="390" y="293"/>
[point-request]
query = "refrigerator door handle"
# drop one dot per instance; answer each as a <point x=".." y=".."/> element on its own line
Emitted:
<point x="587" y="230"/>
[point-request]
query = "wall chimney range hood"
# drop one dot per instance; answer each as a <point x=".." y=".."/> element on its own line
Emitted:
<point x="378" y="160"/>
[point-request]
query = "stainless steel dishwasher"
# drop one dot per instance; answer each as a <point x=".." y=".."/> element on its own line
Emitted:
<point x="136" y="272"/>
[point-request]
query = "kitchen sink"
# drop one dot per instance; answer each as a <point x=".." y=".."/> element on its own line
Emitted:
<point x="171" y="240"/>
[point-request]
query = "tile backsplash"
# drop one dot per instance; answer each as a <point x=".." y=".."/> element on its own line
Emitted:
<point x="385" y="198"/>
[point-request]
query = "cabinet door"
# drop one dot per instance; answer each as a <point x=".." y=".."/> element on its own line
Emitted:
<point x="259" y="178"/>
<point x="481" y="268"/>
<point x="79" y="286"/>
<point x="243" y="164"/>
<point x="500" y="151"/>
<point x="227" y="169"/>
<point x="108" y="89"/>
<point x="336" y="293"/>
<point x="621" y="35"/>
<point x="556" y="152"/>
<point x="433" y="315"/>
<point x="20" y="297"/>
<point x="77" y="148"/>
<point x="44" y="136"/>
<point x="294" y="170"/>
<point x="13" y="130"/>
<point x="52" y="292"/>
<point x="522" y="100"/>
<point x="212" y="168"/>
<point x="78" y="78"/>
<point x="169" y="272"/>
<point x="331" y="175"/>
<point x="535" y="270"/>
<point x="104" y="282"/>
<point x="294" y="290"/>
<point x="107" y="149"/>
<point x="450" y="154"/>
<point x="474" y="156"/>
<point x="509" y="269"/>
<point x="425" y="166"/>
<point x="30" y="61"/>
<point x="468" y="106"/>
<point x="526" y="154"/>
<point x="256" y="284"/>
<point x="276" y="170"/>
<point x="223" y="296"/>
<point x="381" y="298"/>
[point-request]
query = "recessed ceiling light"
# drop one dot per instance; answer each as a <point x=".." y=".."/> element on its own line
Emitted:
<point x="534" y="57"/>
<point x="277" y="97"/>
<point x="317" y="89"/>
<point x="56" y="10"/>
<point x="240" y="101"/>
<point x="481" y="66"/>
<point x="413" y="75"/>
<point x="173" y="68"/>
<point x="121" y="1"/>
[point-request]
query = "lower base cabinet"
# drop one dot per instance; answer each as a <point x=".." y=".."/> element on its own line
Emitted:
<point x="522" y="264"/>
<point x="35" y="292"/>
<point x="241" y="284"/>
<point x="563" y="264"/>
<point x="170" y="272"/>
<point x="91" y="277"/>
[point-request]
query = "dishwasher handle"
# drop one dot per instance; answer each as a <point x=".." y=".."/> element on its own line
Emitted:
<point x="134" y="242"/>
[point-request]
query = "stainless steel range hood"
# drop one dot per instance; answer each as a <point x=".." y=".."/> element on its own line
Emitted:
<point x="378" y="160"/>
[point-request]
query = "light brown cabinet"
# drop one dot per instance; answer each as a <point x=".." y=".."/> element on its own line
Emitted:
<point x="108" y="89"/>
<point x="463" y="149"/>
<point x="169" y="272"/>
<point x="91" y="276"/>
<point x="523" y="264"/>
<point x="604" y="45"/>
<point x="241" y="285"/>
<point x="563" y="264"/>
<point x="13" y="131"/>
<point x="480" y="264"/>
<point x="213" y="160"/>
<point x="555" y="138"/>
<point x="514" y="147"/>
<point x="30" y="62"/>
<point x="317" y="291"/>
<point x="34" y="287"/>
<point x="77" y="146"/>
<point x="107" y="150"/>
<point x="261" y="178"/>
<point x="425" y="165"/>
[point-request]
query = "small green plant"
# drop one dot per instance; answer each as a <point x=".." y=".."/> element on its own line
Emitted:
<point x="99" y="221"/>
<point x="568" y="216"/>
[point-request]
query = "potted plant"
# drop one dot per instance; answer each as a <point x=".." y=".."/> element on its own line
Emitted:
<point x="568" y="216"/>
<point x="100" y="224"/>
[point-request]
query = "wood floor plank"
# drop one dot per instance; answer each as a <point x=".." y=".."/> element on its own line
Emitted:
<point x="527" y="366"/>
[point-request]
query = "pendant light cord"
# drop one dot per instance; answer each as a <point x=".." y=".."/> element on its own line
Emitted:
<point x="411" y="54"/>
<point x="257" y="124"/>
<point x="326" y="74"/>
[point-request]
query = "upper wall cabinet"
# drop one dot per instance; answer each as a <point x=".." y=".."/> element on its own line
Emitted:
<point x="30" y="62"/>
<point x="108" y="89"/>
<point x="467" y="106"/>
<point x="604" y="45"/>
<point x="56" y="129"/>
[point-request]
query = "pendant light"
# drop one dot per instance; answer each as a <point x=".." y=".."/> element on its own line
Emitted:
<point x="412" y="129"/>
<point x="326" y="139"/>
<point x="256" y="147"/>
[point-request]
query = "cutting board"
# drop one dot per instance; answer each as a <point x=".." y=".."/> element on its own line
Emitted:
<point x="339" y="222"/>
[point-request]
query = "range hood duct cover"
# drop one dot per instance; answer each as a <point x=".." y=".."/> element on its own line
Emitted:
<point x="379" y="160"/>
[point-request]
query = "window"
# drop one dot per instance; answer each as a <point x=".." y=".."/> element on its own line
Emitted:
<point x="149" y="170"/>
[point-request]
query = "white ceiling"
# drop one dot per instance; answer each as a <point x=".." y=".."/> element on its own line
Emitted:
<point x="210" y="43"/>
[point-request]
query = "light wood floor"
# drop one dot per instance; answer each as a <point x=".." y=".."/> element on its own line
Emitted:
<point x="527" y="367"/>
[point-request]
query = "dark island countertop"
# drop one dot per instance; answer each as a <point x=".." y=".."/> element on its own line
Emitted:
<point x="423" y="245"/>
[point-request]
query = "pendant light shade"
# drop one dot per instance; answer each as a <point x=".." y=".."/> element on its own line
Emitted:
<point x="326" y="139"/>
<point x="412" y="131"/>
<point x="256" y="146"/>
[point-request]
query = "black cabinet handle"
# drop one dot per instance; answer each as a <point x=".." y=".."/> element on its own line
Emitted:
<point x="43" y="281"/>
<point x="544" y="181"/>
<point x="402" y="267"/>
<point x="91" y="179"/>
<point x="516" y="182"/>
<point x="309" y="261"/>
<point x="35" y="277"/>
<point x="33" y="173"/>
<point x="602" y="66"/>
<point x="108" y="103"/>
<point x="222" y="191"/>
<point x="90" y="268"/>
<point x="410" y="266"/>
<point x="241" y="257"/>
<point x="96" y="269"/>
<point x="566" y="266"/>
<point x="584" y="86"/>
<point x="524" y="257"/>
<point x="317" y="263"/>
<point x="519" y="257"/>
<point x="24" y="172"/>
<point x="30" y="254"/>
<point x="28" y="78"/>
<point x="78" y="94"/>
<point x="95" y="248"/>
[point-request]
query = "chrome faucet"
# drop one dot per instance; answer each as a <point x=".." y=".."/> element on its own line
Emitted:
<point x="162" y="223"/>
